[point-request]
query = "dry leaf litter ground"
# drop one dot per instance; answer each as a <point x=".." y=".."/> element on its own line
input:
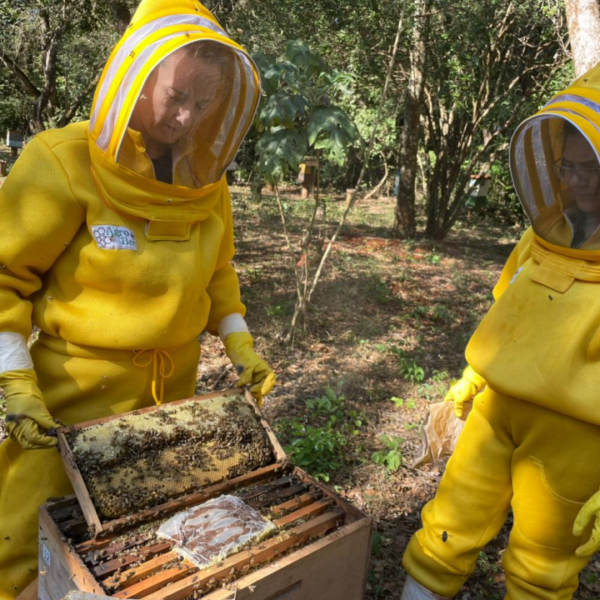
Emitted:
<point x="386" y="332"/>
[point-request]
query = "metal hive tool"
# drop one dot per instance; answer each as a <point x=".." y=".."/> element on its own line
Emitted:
<point x="141" y="460"/>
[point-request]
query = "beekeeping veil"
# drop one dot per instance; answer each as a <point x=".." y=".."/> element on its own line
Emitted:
<point x="554" y="161"/>
<point x="174" y="102"/>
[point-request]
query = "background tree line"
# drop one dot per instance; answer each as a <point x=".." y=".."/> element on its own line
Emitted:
<point x="465" y="72"/>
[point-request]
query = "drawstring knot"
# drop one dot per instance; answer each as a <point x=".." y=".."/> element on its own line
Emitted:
<point x="159" y="359"/>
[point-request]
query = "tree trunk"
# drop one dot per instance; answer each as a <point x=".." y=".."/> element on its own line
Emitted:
<point x="583" y="20"/>
<point x="47" y="100"/>
<point x="405" y="223"/>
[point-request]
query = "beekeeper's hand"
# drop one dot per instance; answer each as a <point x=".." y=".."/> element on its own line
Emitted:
<point x="27" y="418"/>
<point x="589" y="511"/>
<point x="464" y="390"/>
<point x="252" y="369"/>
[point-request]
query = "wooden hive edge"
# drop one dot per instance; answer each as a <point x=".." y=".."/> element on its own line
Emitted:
<point x="82" y="493"/>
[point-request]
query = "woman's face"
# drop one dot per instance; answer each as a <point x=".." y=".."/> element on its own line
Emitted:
<point x="174" y="99"/>
<point x="581" y="173"/>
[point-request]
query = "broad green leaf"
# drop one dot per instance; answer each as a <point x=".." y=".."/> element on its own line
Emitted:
<point x="331" y="130"/>
<point x="280" y="151"/>
<point x="283" y="108"/>
<point x="298" y="53"/>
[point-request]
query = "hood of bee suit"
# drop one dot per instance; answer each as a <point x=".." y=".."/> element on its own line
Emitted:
<point x="174" y="102"/>
<point x="555" y="167"/>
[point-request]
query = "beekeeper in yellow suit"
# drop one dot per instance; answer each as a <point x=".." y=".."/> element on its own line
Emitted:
<point x="532" y="440"/>
<point x="116" y="240"/>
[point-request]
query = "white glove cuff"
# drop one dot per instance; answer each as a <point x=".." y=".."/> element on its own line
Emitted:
<point x="14" y="354"/>
<point x="232" y="324"/>
<point x="415" y="591"/>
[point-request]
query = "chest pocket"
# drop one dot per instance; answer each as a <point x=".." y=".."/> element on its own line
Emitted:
<point x="558" y="272"/>
<point x="157" y="231"/>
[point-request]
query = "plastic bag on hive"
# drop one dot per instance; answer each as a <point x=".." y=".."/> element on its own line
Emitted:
<point x="214" y="530"/>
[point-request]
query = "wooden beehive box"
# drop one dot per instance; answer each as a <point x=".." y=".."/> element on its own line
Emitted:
<point x="320" y="549"/>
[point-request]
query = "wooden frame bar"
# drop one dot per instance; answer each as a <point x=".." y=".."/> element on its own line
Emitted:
<point x="322" y="541"/>
<point x="88" y="509"/>
<point x="264" y="552"/>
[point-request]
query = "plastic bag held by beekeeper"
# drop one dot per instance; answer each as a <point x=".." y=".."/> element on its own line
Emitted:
<point x="116" y="240"/>
<point x="532" y="440"/>
<point x="446" y="420"/>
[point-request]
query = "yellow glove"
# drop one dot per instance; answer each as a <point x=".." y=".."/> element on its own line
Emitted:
<point x="590" y="510"/>
<point x="27" y="417"/>
<point x="464" y="390"/>
<point x="252" y="369"/>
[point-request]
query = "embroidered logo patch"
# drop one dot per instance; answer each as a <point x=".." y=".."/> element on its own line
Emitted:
<point x="109" y="237"/>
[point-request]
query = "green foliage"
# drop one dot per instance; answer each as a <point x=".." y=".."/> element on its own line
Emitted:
<point x="317" y="450"/>
<point x="482" y="82"/>
<point x="331" y="130"/>
<point x="333" y="407"/>
<point x="401" y="403"/>
<point x="280" y="150"/>
<point x="440" y="376"/>
<point x="391" y="456"/>
<point x="440" y="312"/>
<point x="75" y="34"/>
<point x="376" y="543"/>
<point x="591" y="578"/>
<point x="408" y="367"/>
<point x="276" y="310"/>
<point x="398" y="402"/>
<point x="378" y="290"/>
<point x="14" y="109"/>
<point x="320" y="449"/>
<point x="298" y="114"/>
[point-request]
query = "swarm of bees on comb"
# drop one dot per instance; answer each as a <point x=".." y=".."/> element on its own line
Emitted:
<point x="138" y="461"/>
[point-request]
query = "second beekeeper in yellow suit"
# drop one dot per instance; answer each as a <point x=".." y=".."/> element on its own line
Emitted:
<point x="532" y="440"/>
<point x="116" y="240"/>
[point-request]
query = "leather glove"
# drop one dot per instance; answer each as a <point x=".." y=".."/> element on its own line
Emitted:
<point x="27" y="417"/>
<point x="464" y="390"/>
<point x="590" y="510"/>
<point x="252" y="369"/>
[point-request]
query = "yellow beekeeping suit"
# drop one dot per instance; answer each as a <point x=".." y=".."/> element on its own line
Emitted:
<point x="120" y="255"/>
<point x="533" y="437"/>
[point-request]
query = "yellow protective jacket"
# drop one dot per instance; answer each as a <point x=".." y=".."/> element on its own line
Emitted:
<point x="95" y="250"/>
<point x="540" y="341"/>
<point x="90" y="275"/>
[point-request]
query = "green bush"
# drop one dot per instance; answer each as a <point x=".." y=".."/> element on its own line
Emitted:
<point x="391" y="456"/>
<point x="320" y="448"/>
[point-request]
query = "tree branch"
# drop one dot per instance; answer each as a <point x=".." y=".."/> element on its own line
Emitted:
<point x="10" y="64"/>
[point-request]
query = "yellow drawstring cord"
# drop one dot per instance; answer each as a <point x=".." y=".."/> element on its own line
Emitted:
<point x="158" y="357"/>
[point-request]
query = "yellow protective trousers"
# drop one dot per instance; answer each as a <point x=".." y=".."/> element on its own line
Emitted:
<point x="79" y="384"/>
<point x="510" y="453"/>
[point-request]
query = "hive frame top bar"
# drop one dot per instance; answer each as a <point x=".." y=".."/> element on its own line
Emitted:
<point x="81" y="491"/>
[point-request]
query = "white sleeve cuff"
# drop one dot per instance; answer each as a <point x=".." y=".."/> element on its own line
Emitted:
<point x="232" y="324"/>
<point x="14" y="354"/>
<point x="415" y="591"/>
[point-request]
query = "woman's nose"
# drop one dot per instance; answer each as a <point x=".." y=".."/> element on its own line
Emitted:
<point x="574" y="178"/>
<point x="184" y="116"/>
